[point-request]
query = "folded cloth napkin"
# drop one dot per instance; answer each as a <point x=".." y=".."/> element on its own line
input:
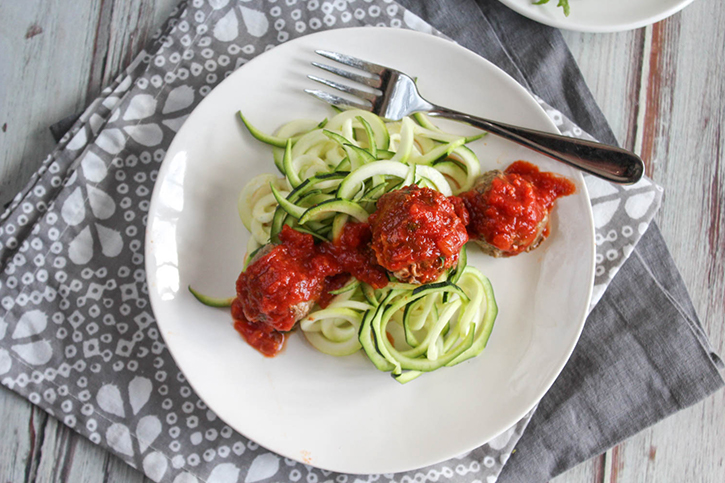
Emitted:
<point x="78" y="338"/>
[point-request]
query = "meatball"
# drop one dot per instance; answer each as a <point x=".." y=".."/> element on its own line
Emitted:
<point x="509" y="210"/>
<point x="523" y="240"/>
<point x="417" y="234"/>
<point x="280" y="287"/>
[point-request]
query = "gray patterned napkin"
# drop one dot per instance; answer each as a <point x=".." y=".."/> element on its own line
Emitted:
<point x="77" y="335"/>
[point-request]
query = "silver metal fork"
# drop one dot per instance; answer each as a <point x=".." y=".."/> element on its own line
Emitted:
<point x="397" y="96"/>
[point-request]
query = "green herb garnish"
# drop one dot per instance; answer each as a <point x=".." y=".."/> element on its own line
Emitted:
<point x="564" y="4"/>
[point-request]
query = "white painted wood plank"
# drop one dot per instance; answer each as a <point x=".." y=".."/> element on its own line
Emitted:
<point x="124" y="29"/>
<point x="588" y="472"/>
<point x="611" y="66"/>
<point x="684" y="91"/>
<point x="17" y="442"/>
<point x="59" y="460"/>
<point x="41" y="83"/>
<point x="688" y="150"/>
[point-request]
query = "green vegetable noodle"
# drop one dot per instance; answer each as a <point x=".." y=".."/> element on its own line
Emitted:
<point x="334" y="172"/>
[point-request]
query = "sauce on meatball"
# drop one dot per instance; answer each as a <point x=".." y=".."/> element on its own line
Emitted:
<point x="353" y="252"/>
<point x="278" y="289"/>
<point x="417" y="233"/>
<point x="510" y="210"/>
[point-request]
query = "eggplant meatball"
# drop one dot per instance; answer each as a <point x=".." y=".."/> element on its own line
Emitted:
<point x="417" y="234"/>
<point x="283" y="282"/>
<point x="509" y="210"/>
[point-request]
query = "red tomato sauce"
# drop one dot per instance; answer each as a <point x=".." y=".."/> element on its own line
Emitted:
<point x="417" y="233"/>
<point x="353" y="252"/>
<point x="279" y="288"/>
<point x="260" y="336"/>
<point x="330" y="285"/>
<point x="510" y="213"/>
<point x="274" y="287"/>
<point x="460" y="208"/>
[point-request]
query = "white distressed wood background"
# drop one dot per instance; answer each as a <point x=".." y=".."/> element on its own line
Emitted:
<point x="662" y="89"/>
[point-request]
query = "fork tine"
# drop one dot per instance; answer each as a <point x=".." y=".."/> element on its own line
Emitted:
<point x="353" y="62"/>
<point x="360" y="79"/>
<point x="342" y="87"/>
<point x="338" y="101"/>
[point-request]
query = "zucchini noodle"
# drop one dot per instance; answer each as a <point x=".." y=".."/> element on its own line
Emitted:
<point x="333" y="172"/>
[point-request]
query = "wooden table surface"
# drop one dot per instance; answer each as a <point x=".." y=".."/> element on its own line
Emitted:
<point x="662" y="88"/>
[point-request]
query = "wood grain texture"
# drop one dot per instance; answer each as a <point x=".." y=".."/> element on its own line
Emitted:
<point x="687" y="118"/>
<point x="678" y="105"/>
<point x="29" y="102"/>
<point x="662" y="89"/>
<point x="113" y="51"/>
<point x="39" y="85"/>
<point x="612" y="65"/>
<point x="17" y="441"/>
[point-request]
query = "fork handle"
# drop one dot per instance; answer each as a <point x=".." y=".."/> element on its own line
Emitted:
<point x="608" y="162"/>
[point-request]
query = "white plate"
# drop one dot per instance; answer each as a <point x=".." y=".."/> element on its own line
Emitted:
<point x="599" y="15"/>
<point x="341" y="413"/>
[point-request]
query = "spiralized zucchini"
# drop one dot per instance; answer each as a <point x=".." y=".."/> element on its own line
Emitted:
<point x="333" y="172"/>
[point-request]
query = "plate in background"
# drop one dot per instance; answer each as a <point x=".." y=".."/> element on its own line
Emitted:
<point x="599" y="15"/>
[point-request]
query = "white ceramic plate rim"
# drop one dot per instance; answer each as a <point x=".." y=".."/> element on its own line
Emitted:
<point x="183" y="352"/>
<point x="549" y="14"/>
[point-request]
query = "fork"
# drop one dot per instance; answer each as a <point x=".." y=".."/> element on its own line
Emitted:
<point x="397" y="96"/>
